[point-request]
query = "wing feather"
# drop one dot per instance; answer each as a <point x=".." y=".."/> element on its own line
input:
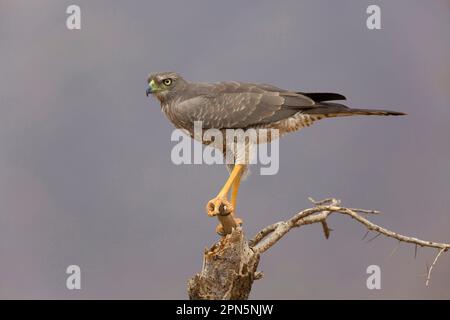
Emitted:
<point x="241" y="110"/>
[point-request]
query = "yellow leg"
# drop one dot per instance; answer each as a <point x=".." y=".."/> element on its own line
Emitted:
<point x="219" y="206"/>
<point x="234" y="194"/>
<point x="235" y="174"/>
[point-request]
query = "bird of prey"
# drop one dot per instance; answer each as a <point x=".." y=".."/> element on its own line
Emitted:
<point x="239" y="105"/>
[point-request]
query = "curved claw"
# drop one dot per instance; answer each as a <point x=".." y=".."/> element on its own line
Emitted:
<point x="220" y="230"/>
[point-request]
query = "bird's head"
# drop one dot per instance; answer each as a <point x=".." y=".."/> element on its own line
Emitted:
<point x="164" y="84"/>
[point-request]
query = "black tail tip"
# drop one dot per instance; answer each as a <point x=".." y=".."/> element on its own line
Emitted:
<point x="395" y="113"/>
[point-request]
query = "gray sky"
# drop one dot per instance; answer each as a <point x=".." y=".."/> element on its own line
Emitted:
<point x="85" y="170"/>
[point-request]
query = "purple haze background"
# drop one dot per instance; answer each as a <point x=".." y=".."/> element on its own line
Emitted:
<point x="85" y="170"/>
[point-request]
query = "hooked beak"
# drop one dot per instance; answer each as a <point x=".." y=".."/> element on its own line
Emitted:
<point x="151" y="88"/>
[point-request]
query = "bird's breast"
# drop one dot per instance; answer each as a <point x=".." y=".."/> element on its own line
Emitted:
<point x="169" y="109"/>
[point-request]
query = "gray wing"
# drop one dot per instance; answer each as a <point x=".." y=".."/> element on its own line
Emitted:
<point x="240" y="105"/>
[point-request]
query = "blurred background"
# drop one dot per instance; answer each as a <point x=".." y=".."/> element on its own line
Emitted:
<point x="85" y="170"/>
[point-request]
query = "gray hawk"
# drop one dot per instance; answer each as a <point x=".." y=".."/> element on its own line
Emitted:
<point x="239" y="105"/>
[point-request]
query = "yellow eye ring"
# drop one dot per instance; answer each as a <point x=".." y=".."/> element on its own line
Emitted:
<point x="167" y="82"/>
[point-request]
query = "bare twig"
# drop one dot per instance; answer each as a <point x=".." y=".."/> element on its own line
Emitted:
<point x="263" y="233"/>
<point x="395" y="249"/>
<point x="433" y="264"/>
<point x="364" y="211"/>
<point x="270" y="235"/>
<point x="365" y="235"/>
<point x="374" y="237"/>
<point x="326" y="229"/>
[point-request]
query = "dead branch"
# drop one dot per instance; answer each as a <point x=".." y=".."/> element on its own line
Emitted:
<point x="230" y="266"/>
<point x="267" y="237"/>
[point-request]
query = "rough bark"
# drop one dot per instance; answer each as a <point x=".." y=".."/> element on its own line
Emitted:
<point x="229" y="269"/>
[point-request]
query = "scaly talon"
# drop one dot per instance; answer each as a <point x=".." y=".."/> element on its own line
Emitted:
<point x="219" y="206"/>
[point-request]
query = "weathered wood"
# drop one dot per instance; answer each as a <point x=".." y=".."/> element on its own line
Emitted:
<point x="229" y="269"/>
<point x="230" y="265"/>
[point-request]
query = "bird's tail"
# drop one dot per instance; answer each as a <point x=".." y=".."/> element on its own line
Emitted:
<point x="340" y="110"/>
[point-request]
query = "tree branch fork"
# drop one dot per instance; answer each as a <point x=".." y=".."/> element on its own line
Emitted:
<point x="230" y="265"/>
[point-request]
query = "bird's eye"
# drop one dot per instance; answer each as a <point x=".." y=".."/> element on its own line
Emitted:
<point x="167" y="82"/>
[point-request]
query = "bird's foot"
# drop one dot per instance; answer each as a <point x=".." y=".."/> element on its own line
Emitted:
<point x="220" y="230"/>
<point x="218" y="207"/>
